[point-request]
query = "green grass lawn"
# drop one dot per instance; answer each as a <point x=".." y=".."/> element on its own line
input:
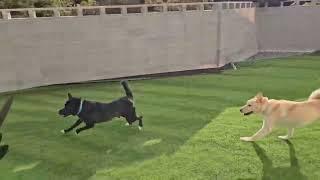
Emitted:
<point x="192" y="129"/>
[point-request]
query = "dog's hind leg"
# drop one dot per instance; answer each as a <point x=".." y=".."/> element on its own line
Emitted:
<point x="140" y="122"/>
<point x="135" y="117"/>
<point x="88" y="126"/>
<point x="128" y="124"/>
<point x="77" y="123"/>
<point x="129" y="116"/>
<point x="132" y="118"/>
<point x="128" y="119"/>
<point x="289" y="135"/>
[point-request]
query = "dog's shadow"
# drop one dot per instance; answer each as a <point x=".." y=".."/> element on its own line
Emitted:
<point x="273" y="173"/>
<point x="3" y="149"/>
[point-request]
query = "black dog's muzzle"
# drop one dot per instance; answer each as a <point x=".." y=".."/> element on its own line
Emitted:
<point x="63" y="113"/>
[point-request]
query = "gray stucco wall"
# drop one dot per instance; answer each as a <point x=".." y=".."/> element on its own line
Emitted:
<point x="44" y="51"/>
<point x="61" y="50"/>
<point x="289" y="28"/>
<point x="238" y="35"/>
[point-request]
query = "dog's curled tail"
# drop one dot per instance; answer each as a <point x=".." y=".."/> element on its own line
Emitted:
<point x="127" y="89"/>
<point x="315" y="95"/>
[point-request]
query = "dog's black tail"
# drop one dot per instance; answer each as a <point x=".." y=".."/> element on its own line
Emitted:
<point x="127" y="89"/>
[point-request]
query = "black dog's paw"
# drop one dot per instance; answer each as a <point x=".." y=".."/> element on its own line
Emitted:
<point x="63" y="131"/>
<point x="77" y="132"/>
<point x="140" y="128"/>
<point x="3" y="150"/>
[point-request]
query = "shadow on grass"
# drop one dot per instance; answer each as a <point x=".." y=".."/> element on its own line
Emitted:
<point x="109" y="145"/>
<point x="3" y="149"/>
<point x="274" y="173"/>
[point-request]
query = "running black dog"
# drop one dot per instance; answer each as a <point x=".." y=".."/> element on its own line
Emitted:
<point x="95" y="112"/>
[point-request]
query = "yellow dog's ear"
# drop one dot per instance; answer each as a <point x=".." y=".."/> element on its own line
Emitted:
<point x="259" y="97"/>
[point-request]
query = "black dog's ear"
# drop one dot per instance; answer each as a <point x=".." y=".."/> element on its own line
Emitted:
<point x="69" y="96"/>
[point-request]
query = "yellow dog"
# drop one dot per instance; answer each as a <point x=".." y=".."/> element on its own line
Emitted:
<point x="282" y="113"/>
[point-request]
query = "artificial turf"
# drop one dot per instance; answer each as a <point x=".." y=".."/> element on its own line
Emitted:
<point x="192" y="129"/>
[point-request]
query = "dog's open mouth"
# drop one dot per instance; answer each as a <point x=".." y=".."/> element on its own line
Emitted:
<point x="248" y="113"/>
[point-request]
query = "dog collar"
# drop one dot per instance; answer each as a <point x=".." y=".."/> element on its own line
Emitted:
<point x="80" y="107"/>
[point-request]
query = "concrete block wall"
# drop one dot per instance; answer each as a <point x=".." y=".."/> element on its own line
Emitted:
<point x="41" y="51"/>
<point x="73" y="45"/>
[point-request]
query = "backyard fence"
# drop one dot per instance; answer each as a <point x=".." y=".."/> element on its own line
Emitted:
<point x="46" y="46"/>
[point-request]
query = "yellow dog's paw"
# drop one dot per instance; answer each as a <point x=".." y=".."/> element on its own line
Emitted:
<point x="246" y="139"/>
<point x="283" y="137"/>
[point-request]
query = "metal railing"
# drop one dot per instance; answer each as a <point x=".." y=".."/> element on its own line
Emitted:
<point x="295" y="3"/>
<point x="143" y="9"/>
<point x="31" y="13"/>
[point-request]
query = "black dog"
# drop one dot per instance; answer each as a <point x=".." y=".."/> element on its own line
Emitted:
<point x="96" y="112"/>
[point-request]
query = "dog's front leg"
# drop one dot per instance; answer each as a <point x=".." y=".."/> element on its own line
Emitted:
<point x="77" y="123"/>
<point x="88" y="126"/>
<point x="265" y="130"/>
